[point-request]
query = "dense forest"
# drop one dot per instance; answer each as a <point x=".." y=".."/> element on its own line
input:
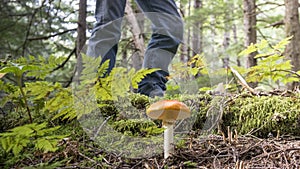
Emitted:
<point x="237" y="69"/>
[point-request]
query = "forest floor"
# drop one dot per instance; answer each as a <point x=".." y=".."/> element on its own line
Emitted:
<point x="228" y="149"/>
<point x="213" y="151"/>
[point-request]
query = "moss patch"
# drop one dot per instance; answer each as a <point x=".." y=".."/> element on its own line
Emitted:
<point x="264" y="115"/>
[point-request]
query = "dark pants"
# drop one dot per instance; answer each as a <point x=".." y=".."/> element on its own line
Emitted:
<point x="167" y="32"/>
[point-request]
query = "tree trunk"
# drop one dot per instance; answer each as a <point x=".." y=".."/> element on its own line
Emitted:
<point x="235" y="38"/>
<point x="250" y="30"/>
<point x="81" y="37"/>
<point x="292" y="28"/>
<point x="138" y="39"/>
<point x="189" y="33"/>
<point x="197" y="31"/>
<point x="184" y="47"/>
<point x="213" y="32"/>
<point x="226" y="40"/>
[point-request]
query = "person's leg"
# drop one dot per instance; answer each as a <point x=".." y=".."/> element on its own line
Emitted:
<point x="167" y="27"/>
<point x="106" y="33"/>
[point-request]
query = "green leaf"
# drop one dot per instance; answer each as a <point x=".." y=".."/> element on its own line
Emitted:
<point x="41" y="89"/>
<point x="283" y="43"/>
<point x="25" y="130"/>
<point x="103" y="68"/>
<point x="3" y="101"/>
<point x="5" y="141"/>
<point x="91" y="69"/>
<point x="13" y="70"/>
<point x="15" y="140"/>
<point x="204" y="89"/>
<point x="66" y="113"/>
<point x="194" y="71"/>
<point x="17" y="149"/>
<point x="139" y="75"/>
<point x="250" y="49"/>
<point x="262" y="45"/>
<point x="46" y="145"/>
<point x="29" y="68"/>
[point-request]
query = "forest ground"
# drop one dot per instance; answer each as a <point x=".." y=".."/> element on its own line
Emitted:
<point x="224" y="149"/>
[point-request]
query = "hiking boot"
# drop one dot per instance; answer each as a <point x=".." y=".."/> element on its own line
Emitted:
<point x="153" y="84"/>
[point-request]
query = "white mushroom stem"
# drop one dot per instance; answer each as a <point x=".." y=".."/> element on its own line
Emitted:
<point x="168" y="139"/>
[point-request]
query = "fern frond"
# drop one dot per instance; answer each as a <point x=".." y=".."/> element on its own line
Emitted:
<point x="18" y="138"/>
<point x="139" y="75"/>
<point x="103" y="69"/>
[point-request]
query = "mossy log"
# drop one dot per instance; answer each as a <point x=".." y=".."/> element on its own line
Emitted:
<point x="264" y="115"/>
<point x="261" y="116"/>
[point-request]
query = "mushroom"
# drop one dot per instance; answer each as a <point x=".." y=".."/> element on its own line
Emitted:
<point x="168" y="111"/>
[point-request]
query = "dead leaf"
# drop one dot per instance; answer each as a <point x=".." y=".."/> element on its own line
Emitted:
<point x="2" y="75"/>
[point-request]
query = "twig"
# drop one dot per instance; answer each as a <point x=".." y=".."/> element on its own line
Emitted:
<point x="242" y="80"/>
<point x="289" y="71"/>
<point x="86" y="157"/>
<point x="64" y="62"/>
<point x="100" y="127"/>
<point x="51" y="36"/>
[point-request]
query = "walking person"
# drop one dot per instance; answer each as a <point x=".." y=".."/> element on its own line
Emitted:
<point x="167" y="33"/>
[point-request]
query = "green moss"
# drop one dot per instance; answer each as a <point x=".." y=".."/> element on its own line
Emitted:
<point x="245" y="113"/>
<point x="263" y="114"/>
<point x="137" y="127"/>
<point x="139" y="101"/>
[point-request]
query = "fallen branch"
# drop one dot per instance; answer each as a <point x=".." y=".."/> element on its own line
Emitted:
<point x="242" y="81"/>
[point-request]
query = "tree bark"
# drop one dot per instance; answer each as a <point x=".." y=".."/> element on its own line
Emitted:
<point x="235" y="38"/>
<point x="197" y="31"/>
<point x="189" y="33"/>
<point x="250" y="30"/>
<point x="138" y="39"/>
<point x="292" y="28"/>
<point x="81" y="37"/>
<point x="183" y="47"/>
<point x="226" y="40"/>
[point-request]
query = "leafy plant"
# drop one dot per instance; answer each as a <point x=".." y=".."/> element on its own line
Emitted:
<point x="23" y="85"/>
<point x="272" y="66"/>
<point x="39" y="135"/>
<point x="195" y="66"/>
<point x="39" y="68"/>
<point x="17" y="70"/>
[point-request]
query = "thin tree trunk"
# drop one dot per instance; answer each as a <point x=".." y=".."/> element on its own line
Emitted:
<point x="250" y="32"/>
<point x="213" y="31"/>
<point x="235" y="38"/>
<point x="197" y="31"/>
<point x="138" y="39"/>
<point x="226" y="40"/>
<point x="292" y="28"/>
<point x="188" y="33"/>
<point x="81" y="37"/>
<point x="184" y="46"/>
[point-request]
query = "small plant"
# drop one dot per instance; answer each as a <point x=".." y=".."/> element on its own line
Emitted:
<point x="18" y="70"/>
<point x="37" y="135"/>
<point x="16" y="90"/>
<point x="23" y="85"/>
<point x="272" y="66"/>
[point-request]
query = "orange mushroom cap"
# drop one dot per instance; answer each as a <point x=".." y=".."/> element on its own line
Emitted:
<point x="168" y="110"/>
